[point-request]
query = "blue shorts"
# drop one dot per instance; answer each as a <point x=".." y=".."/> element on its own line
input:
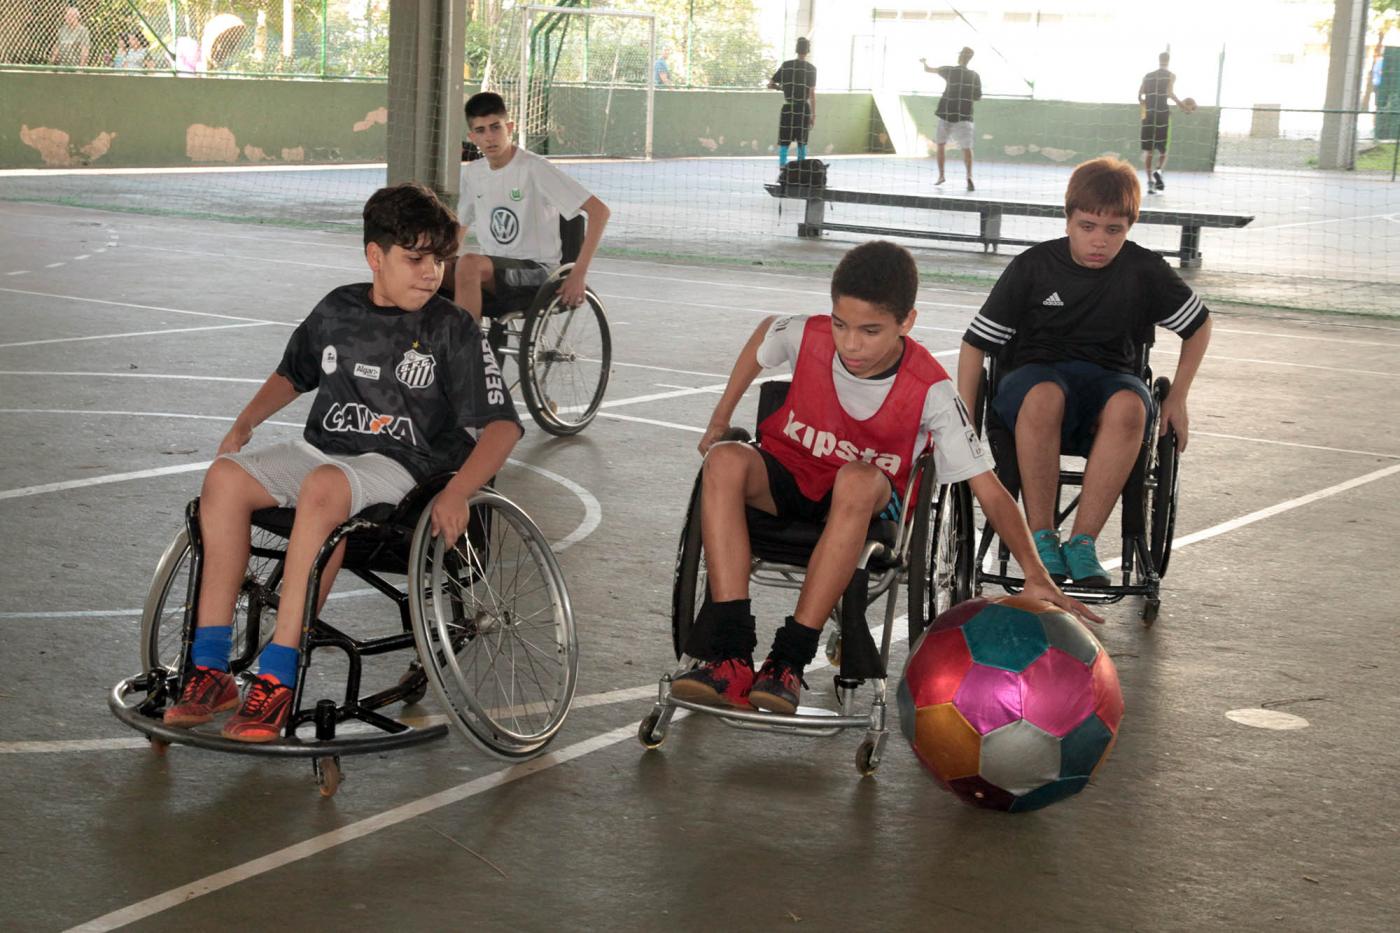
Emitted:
<point x="1087" y="388"/>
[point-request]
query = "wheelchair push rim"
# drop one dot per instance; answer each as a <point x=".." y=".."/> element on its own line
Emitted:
<point x="494" y="628"/>
<point x="564" y="359"/>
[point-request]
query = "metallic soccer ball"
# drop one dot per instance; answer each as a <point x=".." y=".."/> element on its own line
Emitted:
<point x="1011" y="703"/>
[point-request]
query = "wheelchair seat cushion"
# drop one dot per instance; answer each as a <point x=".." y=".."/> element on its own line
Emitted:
<point x="792" y="542"/>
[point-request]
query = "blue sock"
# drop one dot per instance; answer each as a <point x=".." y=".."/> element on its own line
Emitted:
<point x="281" y="662"/>
<point x="802" y="150"/>
<point x="212" y="644"/>
<point x="782" y="156"/>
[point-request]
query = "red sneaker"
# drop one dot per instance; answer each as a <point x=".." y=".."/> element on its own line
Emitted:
<point x="778" y="688"/>
<point x="264" y="712"/>
<point x="206" y="692"/>
<point x="716" y="683"/>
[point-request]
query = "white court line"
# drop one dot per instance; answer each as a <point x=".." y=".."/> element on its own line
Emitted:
<point x="660" y="424"/>
<point x="54" y="265"/>
<point x="1317" y="337"/>
<point x="128" y="375"/>
<point x="128" y="304"/>
<point x="1312" y="223"/>
<point x="138" y="333"/>
<point x="18" y="272"/>
<point x="1331" y="369"/>
<point x="180" y="895"/>
<point x="102" y="480"/>
<point x="360" y="269"/>
<point x="1266" y="440"/>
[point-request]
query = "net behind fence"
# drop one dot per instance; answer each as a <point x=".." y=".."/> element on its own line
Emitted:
<point x="1290" y="206"/>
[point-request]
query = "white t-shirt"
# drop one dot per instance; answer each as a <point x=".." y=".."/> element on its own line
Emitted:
<point x="515" y="210"/>
<point x="958" y="453"/>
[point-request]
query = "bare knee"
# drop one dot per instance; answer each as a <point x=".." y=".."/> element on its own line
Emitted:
<point x="226" y="484"/>
<point x="1043" y="404"/>
<point x="860" y="487"/>
<point x="324" y="497"/>
<point x="1124" y="414"/>
<point x="727" y="462"/>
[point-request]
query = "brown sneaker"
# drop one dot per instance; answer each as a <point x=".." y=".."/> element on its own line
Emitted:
<point x="206" y="692"/>
<point x="264" y="712"/>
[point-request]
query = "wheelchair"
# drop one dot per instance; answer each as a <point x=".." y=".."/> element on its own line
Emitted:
<point x="487" y="619"/>
<point x="920" y="551"/>
<point x="563" y="355"/>
<point x="1147" y="504"/>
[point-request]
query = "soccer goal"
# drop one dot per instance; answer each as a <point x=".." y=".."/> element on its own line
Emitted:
<point x="579" y="82"/>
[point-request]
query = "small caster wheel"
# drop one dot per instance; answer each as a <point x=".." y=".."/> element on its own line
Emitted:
<point x="833" y="649"/>
<point x="416" y="681"/>
<point x="328" y="775"/>
<point x="648" y="734"/>
<point x="159" y="746"/>
<point x="867" y="758"/>
<point x="1150" y="609"/>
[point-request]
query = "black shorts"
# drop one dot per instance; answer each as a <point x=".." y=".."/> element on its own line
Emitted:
<point x="793" y="123"/>
<point x="793" y="504"/>
<point x="510" y="274"/>
<point x="1154" y="131"/>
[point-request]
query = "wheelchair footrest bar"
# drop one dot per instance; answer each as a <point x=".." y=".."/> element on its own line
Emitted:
<point x="800" y="723"/>
<point x="130" y="714"/>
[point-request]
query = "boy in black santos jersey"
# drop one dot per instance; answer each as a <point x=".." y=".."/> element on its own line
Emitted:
<point x="401" y="375"/>
<point x="1069" y="314"/>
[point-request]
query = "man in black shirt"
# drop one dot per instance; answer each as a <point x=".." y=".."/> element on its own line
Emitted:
<point x="955" y="110"/>
<point x="1065" y="319"/>
<point x="797" y="79"/>
<point x="1157" y="88"/>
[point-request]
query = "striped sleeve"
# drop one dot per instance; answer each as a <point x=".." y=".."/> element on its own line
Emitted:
<point x="989" y="332"/>
<point x="995" y="323"/>
<point x="1177" y="307"/>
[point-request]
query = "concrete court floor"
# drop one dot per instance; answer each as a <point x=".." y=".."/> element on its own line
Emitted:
<point x="1198" y="822"/>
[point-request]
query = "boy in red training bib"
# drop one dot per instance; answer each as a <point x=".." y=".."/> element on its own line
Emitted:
<point x="864" y="402"/>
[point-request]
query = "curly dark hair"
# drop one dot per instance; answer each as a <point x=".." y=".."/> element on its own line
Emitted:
<point x="881" y="273"/>
<point x="406" y="215"/>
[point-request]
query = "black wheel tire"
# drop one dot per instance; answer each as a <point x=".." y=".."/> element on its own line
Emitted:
<point x="867" y="763"/>
<point x="689" y="582"/>
<point x="1161" y="513"/>
<point x="1150" y="609"/>
<point x="646" y="732"/>
<point x="943" y="532"/>
<point x="542" y="408"/>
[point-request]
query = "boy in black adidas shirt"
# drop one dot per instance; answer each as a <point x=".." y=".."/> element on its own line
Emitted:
<point x="1069" y="313"/>
<point x="400" y="376"/>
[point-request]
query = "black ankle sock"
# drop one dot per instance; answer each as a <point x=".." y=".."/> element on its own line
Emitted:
<point x="723" y="630"/>
<point x="795" y="644"/>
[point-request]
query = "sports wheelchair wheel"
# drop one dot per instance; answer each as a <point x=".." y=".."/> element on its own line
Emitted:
<point x="941" y="554"/>
<point x="690" y="582"/>
<point x="565" y="356"/>
<point x="163" y="636"/>
<point x="494" y="628"/>
<point x="1161" y="495"/>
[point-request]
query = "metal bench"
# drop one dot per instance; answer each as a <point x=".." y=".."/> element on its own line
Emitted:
<point x="990" y="213"/>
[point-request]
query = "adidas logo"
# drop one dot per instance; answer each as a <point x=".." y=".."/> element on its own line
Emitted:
<point x="1053" y="301"/>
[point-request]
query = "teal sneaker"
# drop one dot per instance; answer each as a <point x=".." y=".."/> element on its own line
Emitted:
<point x="1047" y="545"/>
<point x="1084" y="566"/>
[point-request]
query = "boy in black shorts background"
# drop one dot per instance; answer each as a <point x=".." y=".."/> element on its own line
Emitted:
<point x="865" y="399"/>
<point x="401" y="376"/>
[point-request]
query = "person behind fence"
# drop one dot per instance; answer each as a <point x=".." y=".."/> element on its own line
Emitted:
<point x="797" y="79"/>
<point x="401" y="376"/>
<point x="1157" y="90"/>
<point x="1071" y="313"/>
<point x="74" y="43"/>
<point x="513" y="199"/>
<point x="864" y="401"/>
<point x="954" y="111"/>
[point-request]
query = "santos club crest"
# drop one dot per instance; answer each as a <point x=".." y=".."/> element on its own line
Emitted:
<point x="415" y="370"/>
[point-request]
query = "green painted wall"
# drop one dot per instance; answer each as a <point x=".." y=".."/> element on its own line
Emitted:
<point x="135" y="120"/>
<point x="1061" y="132"/>
<point x="138" y="120"/>
<point x="694" y="123"/>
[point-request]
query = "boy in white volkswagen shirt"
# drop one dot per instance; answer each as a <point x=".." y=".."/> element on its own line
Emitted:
<point x="513" y="199"/>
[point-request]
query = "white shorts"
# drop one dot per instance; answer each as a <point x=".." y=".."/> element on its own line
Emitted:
<point x="282" y="468"/>
<point x="959" y="134"/>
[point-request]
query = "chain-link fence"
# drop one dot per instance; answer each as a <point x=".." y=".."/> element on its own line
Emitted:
<point x="284" y="38"/>
<point x="1268" y="136"/>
